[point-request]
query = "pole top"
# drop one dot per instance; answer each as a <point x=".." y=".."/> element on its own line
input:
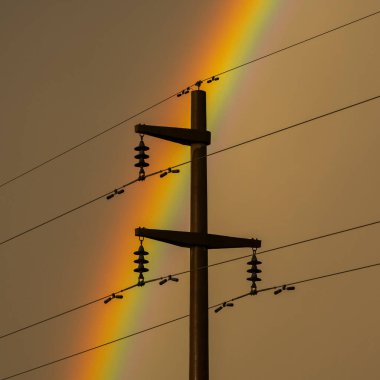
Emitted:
<point x="198" y="91"/>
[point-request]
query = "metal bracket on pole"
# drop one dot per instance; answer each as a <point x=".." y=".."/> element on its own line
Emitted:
<point x="182" y="136"/>
<point x="196" y="239"/>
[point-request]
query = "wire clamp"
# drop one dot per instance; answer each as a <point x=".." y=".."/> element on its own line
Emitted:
<point x="112" y="296"/>
<point x="198" y="84"/>
<point x="141" y="280"/>
<point x="184" y="92"/>
<point x="223" y="305"/>
<point x="169" y="278"/>
<point x="282" y="288"/>
<point x="167" y="171"/>
<point x="213" y="79"/>
<point x="115" y="192"/>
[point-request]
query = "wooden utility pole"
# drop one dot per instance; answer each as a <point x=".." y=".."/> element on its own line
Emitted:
<point x="199" y="362"/>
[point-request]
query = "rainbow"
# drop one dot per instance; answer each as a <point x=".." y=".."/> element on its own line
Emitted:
<point x="248" y="23"/>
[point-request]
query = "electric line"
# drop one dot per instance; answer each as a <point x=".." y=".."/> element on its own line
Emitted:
<point x="187" y="89"/>
<point x="282" y="129"/>
<point x="187" y="162"/>
<point x="77" y="308"/>
<point x="183" y="317"/>
<point x="63" y="214"/>
<point x="188" y="271"/>
<point x="87" y="140"/>
<point x="96" y="347"/>
<point x="295" y="44"/>
<point x="296" y="243"/>
<point x="59" y="315"/>
<point x="298" y="282"/>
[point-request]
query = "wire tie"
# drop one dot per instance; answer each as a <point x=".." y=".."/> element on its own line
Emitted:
<point x="199" y="84"/>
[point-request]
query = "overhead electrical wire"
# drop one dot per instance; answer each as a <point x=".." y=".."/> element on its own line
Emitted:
<point x="63" y="214"/>
<point x="75" y="308"/>
<point x="281" y="130"/>
<point x="184" y="317"/>
<point x="295" y="243"/>
<point x="187" y="162"/>
<point x="298" y="282"/>
<point x="295" y="44"/>
<point x="319" y="237"/>
<point x="53" y="158"/>
<point x="196" y="84"/>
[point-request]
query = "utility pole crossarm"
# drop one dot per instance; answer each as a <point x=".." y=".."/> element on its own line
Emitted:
<point x="196" y="239"/>
<point x="182" y="136"/>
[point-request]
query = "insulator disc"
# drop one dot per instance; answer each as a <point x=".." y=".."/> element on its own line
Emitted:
<point x="141" y="260"/>
<point x="141" y="164"/>
<point x="141" y="155"/>
<point x="141" y="270"/>
<point x="253" y="278"/>
<point x="141" y="146"/>
<point x="254" y="270"/>
<point x="141" y="251"/>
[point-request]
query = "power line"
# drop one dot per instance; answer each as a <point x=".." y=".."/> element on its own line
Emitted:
<point x="297" y="243"/>
<point x="187" y="162"/>
<point x="62" y="214"/>
<point x="76" y="308"/>
<point x="197" y="84"/>
<point x="298" y="282"/>
<point x="96" y="347"/>
<point x="86" y="141"/>
<point x="283" y="129"/>
<point x="295" y="44"/>
<point x="188" y="271"/>
<point x="183" y="317"/>
<point x="61" y="314"/>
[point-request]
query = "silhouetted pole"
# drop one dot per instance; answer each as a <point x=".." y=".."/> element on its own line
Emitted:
<point x="199" y="367"/>
<point x="198" y="239"/>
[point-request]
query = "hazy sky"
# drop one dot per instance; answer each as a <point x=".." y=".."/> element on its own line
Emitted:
<point x="71" y="69"/>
